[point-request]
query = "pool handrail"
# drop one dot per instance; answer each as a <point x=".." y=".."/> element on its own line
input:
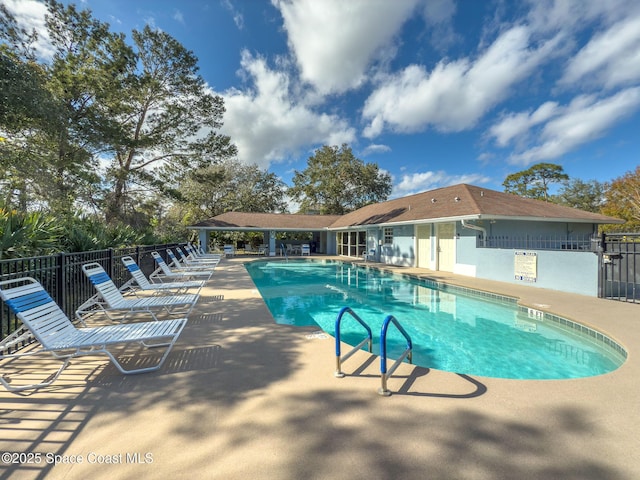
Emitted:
<point x="408" y="352"/>
<point x="369" y="338"/>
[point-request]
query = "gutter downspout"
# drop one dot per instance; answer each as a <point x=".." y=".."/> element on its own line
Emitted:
<point x="478" y="228"/>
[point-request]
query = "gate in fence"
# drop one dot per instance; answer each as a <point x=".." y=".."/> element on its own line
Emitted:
<point x="619" y="262"/>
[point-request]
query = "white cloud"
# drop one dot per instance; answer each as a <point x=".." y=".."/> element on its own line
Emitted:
<point x="454" y="95"/>
<point x="419" y="182"/>
<point x="572" y="15"/>
<point x="516" y="125"/>
<point x="375" y="148"/>
<point x="438" y="15"/>
<point x="335" y="41"/>
<point x="268" y="125"/>
<point x="29" y="14"/>
<point x="585" y="119"/>
<point x="178" y="17"/>
<point x="610" y="59"/>
<point x="238" y="18"/>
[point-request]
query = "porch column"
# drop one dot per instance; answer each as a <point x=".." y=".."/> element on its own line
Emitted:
<point x="203" y="238"/>
<point x="272" y="243"/>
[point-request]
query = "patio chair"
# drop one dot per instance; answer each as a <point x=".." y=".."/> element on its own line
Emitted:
<point x="187" y="261"/>
<point x="166" y="272"/>
<point x="141" y="281"/>
<point x="305" y="249"/>
<point x="44" y="319"/>
<point x="110" y="300"/>
<point x="229" y="251"/>
<point x="177" y="265"/>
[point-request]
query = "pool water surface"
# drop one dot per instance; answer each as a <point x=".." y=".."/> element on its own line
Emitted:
<point x="459" y="332"/>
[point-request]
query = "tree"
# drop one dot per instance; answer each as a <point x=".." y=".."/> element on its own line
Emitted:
<point x="26" y="110"/>
<point x="622" y="200"/>
<point x="57" y="119"/>
<point x="232" y="186"/>
<point x="588" y="196"/>
<point x="534" y="182"/>
<point x="166" y="118"/>
<point x="336" y="182"/>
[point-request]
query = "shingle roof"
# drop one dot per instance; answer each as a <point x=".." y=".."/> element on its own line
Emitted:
<point x="455" y="202"/>
<point x="465" y="201"/>
<point x="280" y="221"/>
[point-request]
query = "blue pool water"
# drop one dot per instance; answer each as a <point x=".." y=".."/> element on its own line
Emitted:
<point x="459" y="332"/>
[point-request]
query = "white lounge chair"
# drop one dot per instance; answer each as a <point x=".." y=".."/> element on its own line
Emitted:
<point x="140" y="280"/>
<point x="198" y="253"/>
<point x="49" y="325"/>
<point x="110" y="300"/>
<point x="189" y="262"/>
<point x="177" y="265"/>
<point x="165" y="272"/>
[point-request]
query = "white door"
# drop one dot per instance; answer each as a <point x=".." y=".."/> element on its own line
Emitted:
<point x="423" y="234"/>
<point x="446" y="247"/>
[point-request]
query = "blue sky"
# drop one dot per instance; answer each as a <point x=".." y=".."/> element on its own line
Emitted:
<point x="436" y="92"/>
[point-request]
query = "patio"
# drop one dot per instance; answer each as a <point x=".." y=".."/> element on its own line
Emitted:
<point x="241" y="397"/>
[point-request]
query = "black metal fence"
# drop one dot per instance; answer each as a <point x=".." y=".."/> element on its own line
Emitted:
<point x="619" y="262"/>
<point x="539" y="242"/>
<point x="61" y="275"/>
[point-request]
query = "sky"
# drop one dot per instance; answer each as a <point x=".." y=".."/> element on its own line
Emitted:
<point x="435" y="92"/>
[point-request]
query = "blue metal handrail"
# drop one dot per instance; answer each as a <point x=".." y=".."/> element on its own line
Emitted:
<point x="384" y="373"/>
<point x="369" y="338"/>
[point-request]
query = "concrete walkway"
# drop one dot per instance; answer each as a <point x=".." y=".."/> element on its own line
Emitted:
<point x="243" y="398"/>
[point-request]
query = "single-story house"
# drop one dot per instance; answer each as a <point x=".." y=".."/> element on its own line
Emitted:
<point x="463" y="229"/>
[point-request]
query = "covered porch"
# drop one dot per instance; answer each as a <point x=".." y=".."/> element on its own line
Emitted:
<point x="280" y="233"/>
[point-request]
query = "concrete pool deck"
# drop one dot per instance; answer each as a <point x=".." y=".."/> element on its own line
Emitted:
<point x="243" y="398"/>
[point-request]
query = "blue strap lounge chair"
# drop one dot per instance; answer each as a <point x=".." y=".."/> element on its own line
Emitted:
<point x="140" y="280"/>
<point x="57" y="336"/>
<point x="164" y="272"/>
<point x="110" y="300"/>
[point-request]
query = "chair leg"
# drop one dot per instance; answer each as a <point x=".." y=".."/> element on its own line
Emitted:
<point x="6" y="384"/>
<point x="118" y="365"/>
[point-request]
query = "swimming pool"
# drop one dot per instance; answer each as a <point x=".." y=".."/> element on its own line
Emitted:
<point x="452" y="329"/>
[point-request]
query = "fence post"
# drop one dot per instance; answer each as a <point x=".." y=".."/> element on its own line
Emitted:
<point x="61" y="277"/>
<point x="110" y="262"/>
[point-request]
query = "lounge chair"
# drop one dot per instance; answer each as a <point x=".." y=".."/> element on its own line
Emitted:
<point x="110" y="300"/>
<point x="204" y="262"/>
<point x="138" y="278"/>
<point x="229" y="251"/>
<point x="199" y="254"/>
<point x="45" y="320"/>
<point x="177" y="265"/>
<point x="305" y="249"/>
<point x="165" y="272"/>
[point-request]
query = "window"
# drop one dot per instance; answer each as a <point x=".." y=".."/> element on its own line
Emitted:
<point x="388" y="235"/>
